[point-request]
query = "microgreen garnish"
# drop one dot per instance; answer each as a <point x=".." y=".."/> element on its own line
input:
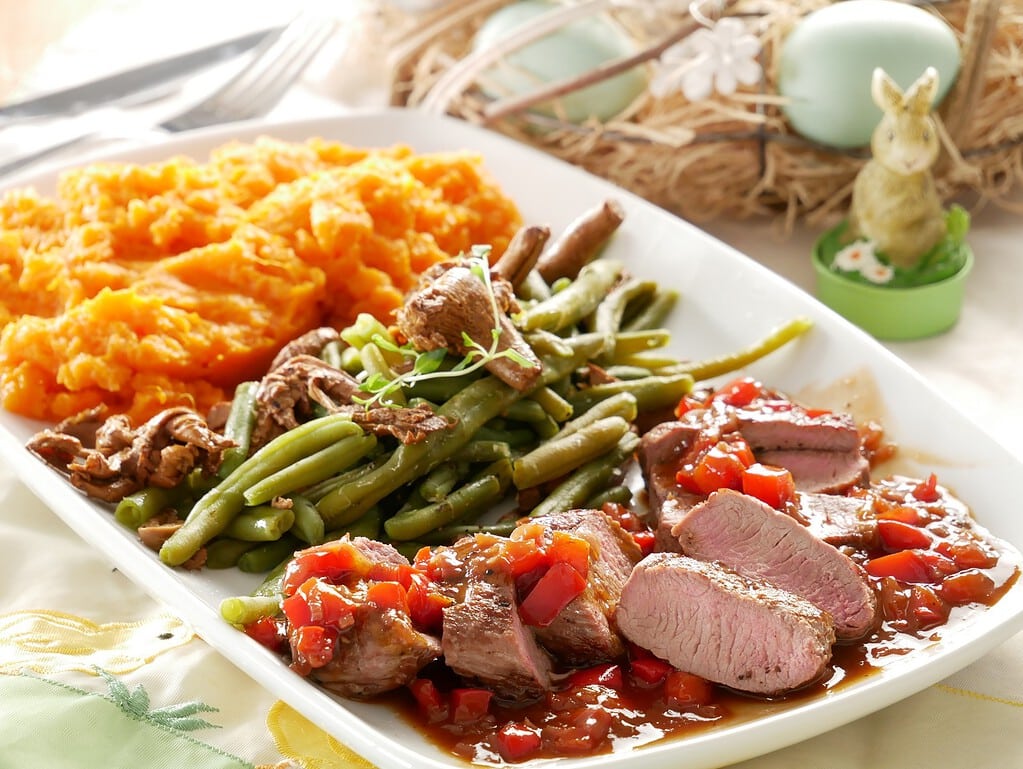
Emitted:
<point x="427" y="365"/>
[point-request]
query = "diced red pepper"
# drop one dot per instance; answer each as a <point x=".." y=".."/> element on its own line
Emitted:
<point x="333" y="561"/>
<point x="718" y="468"/>
<point x="318" y="603"/>
<point x="896" y="535"/>
<point x="425" y="605"/>
<point x="739" y="392"/>
<point x="650" y="671"/>
<point x="609" y="676"/>
<point x="901" y="513"/>
<point x="687" y="404"/>
<point x="388" y="595"/>
<point x="313" y="645"/>
<point x="773" y="486"/>
<point x="970" y="586"/>
<point x="928" y="609"/>
<point x="968" y="554"/>
<point x="468" y="705"/>
<point x="430" y="700"/>
<point x="268" y="631"/>
<point x="522" y="556"/>
<point x="911" y="566"/>
<point x="567" y="548"/>
<point x="391" y="572"/>
<point x="516" y="742"/>
<point x="685" y="690"/>
<point x="645" y="540"/>
<point x="927" y="491"/>
<point x="552" y="593"/>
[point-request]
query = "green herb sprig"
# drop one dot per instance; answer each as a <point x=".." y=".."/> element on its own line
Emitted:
<point x="427" y="365"/>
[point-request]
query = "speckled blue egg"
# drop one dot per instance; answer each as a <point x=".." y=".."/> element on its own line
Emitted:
<point x="826" y="64"/>
<point x="572" y="50"/>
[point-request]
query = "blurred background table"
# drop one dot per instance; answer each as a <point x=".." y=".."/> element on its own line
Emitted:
<point x="59" y="593"/>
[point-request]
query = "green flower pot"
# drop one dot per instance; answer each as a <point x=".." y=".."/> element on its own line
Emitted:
<point x="893" y="313"/>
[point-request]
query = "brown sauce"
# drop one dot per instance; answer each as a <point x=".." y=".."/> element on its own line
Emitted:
<point x="600" y="719"/>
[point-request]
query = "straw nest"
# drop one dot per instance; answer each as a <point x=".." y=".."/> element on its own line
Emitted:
<point x="730" y="156"/>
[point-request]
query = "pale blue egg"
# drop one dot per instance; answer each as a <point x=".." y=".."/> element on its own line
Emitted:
<point x="827" y="60"/>
<point x="572" y="50"/>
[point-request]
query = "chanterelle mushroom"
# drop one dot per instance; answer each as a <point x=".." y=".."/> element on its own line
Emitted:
<point x="452" y="300"/>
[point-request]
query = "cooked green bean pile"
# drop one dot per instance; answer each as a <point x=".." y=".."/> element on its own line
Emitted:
<point x="560" y="445"/>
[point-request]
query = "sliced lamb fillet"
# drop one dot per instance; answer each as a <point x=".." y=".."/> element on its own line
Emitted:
<point x="795" y="429"/>
<point x="662" y="451"/>
<point x="381" y="649"/>
<point x="485" y="641"/>
<point x="736" y="631"/>
<point x="757" y="541"/>
<point x="838" y="520"/>
<point x="820" y="472"/>
<point x="380" y="652"/>
<point x="583" y="633"/>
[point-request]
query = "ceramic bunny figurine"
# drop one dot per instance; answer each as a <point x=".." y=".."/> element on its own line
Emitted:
<point x="894" y="202"/>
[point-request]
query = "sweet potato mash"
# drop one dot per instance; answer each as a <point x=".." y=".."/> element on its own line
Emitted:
<point x="144" y="286"/>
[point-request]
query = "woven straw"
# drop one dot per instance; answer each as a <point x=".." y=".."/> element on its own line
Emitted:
<point x="729" y="156"/>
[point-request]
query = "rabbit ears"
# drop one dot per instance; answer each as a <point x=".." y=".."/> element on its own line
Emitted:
<point x="917" y="99"/>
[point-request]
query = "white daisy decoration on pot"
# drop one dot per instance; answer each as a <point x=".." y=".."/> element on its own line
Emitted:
<point x="716" y="58"/>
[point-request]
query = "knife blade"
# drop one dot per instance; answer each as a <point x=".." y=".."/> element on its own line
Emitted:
<point x="133" y="82"/>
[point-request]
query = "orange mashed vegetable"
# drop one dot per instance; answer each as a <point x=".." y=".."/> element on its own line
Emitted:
<point x="147" y="286"/>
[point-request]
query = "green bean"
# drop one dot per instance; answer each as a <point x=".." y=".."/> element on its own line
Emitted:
<point x="628" y="343"/>
<point x="621" y="404"/>
<point x="663" y="365"/>
<point x="439" y="390"/>
<point x="245" y="609"/>
<point x="534" y="288"/>
<point x="652" y="393"/>
<point x="628" y="372"/>
<point x="479" y="450"/>
<point x="223" y="553"/>
<point x="308" y="525"/>
<point x="526" y="411"/>
<point x="312" y="469"/>
<point x="271" y="585"/>
<point x="268" y="556"/>
<point x="333" y="353"/>
<point x="366" y="526"/>
<point x="475" y="495"/>
<point x="238" y="428"/>
<point x="138" y="507"/>
<point x="471" y="408"/>
<point x="351" y="361"/>
<point x="318" y="490"/>
<point x="516" y="438"/>
<point x="545" y="343"/>
<point x="588" y="480"/>
<point x="261" y="524"/>
<point x="575" y="302"/>
<point x="447" y="534"/>
<point x="559" y="408"/>
<point x="607" y="318"/>
<point x="361" y="332"/>
<point x="559" y="456"/>
<point x="439" y="482"/>
<point x="375" y="363"/>
<point x="620" y="495"/>
<point x="215" y="510"/>
<point x="654" y="313"/>
<point x="725" y="364"/>
<point x="546" y="429"/>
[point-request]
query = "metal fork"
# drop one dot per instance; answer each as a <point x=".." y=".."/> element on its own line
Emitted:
<point x="276" y="64"/>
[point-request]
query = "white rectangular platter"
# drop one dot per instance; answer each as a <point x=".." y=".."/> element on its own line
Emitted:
<point x="728" y="301"/>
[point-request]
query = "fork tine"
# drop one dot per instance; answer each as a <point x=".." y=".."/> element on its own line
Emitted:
<point x="260" y="86"/>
